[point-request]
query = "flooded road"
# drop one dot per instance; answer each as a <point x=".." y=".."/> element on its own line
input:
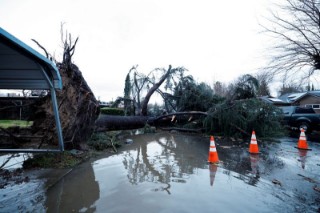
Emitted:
<point x="166" y="172"/>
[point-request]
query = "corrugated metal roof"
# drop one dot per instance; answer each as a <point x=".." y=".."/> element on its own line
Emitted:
<point x="21" y="67"/>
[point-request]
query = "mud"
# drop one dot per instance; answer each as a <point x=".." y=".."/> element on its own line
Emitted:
<point x="166" y="172"/>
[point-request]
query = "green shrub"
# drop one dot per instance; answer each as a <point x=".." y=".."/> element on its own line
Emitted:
<point x="104" y="140"/>
<point x="244" y="116"/>
<point x="149" y="129"/>
<point x="111" y="111"/>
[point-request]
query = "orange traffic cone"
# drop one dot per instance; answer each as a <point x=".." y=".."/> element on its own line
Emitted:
<point x="213" y="170"/>
<point x="253" y="149"/>
<point x="302" y="143"/>
<point x="213" y="155"/>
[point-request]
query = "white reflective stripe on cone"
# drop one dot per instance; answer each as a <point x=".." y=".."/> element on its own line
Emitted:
<point x="213" y="149"/>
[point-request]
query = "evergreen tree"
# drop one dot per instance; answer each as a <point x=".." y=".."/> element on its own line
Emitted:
<point x="127" y="91"/>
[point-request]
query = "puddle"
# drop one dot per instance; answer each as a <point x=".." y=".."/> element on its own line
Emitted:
<point x="169" y="173"/>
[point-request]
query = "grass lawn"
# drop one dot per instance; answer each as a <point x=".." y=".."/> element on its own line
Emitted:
<point x="11" y="123"/>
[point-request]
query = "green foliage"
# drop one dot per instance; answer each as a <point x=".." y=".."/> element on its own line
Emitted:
<point x="149" y="129"/>
<point x="263" y="88"/>
<point x="103" y="140"/>
<point x="111" y="111"/>
<point x="127" y="87"/>
<point x="155" y="110"/>
<point x="11" y="123"/>
<point x="195" y="124"/>
<point x="127" y="91"/>
<point x="117" y="102"/>
<point x="192" y="96"/>
<point x="246" y="87"/>
<point x="220" y="89"/>
<point x="244" y="115"/>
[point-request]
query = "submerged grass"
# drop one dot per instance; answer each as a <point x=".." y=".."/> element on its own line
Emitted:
<point x="52" y="160"/>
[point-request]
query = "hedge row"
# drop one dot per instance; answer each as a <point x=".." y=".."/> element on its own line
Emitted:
<point x="111" y="111"/>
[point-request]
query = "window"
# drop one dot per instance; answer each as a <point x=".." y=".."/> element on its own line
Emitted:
<point x="316" y="106"/>
<point x="313" y="106"/>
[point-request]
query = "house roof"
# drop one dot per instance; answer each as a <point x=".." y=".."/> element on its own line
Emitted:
<point x="272" y="100"/>
<point x="293" y="97"/>
<point x="21" y="67"/>
<point x="315" y="93"/>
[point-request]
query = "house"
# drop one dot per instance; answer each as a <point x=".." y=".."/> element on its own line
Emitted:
<point x="303" y="99"/>
<point x="274" y="101"/>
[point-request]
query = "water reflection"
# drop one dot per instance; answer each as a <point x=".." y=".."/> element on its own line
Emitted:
<point x="74" y="193"/>
<point x="167" y="158"/>
<point x="174" y="158"/>
<point x="169" y="173"/>
<point x="243" y="164"/>
<point x="213" y="170"/>
<point x="303" y="157"/>
<point x="155" y="161"/>
<point x="254" y="162"/>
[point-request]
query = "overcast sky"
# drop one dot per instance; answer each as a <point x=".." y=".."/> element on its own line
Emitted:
<point x="214" y="40"/>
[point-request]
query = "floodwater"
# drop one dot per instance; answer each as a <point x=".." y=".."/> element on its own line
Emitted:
<point x="167" y="172"/>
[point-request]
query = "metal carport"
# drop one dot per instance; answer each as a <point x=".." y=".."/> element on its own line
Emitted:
<point x="21" y="67"/>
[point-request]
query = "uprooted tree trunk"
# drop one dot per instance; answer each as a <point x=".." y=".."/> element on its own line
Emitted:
<point x="112" y="122"/>
<point x="78" y="109"/>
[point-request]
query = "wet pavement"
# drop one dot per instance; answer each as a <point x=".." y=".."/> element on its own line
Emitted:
<point x="166" y="172"/>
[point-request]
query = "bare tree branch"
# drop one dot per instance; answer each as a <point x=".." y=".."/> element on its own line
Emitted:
<point x="296" y="30"/>
<point x="44" y="49"/>
<point x="68" y="46"/>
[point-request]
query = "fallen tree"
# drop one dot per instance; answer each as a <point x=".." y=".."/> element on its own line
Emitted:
<point x="80" y="113"/>
<point x="78" y="107"/>
<point x="112" y="122"/>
